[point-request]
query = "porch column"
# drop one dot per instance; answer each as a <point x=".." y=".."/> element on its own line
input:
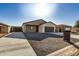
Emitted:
<point x="54" y="28"/>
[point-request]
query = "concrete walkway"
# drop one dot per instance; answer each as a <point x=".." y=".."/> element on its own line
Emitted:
<point x="74" y="36"/>
<point x="15" y="44"/>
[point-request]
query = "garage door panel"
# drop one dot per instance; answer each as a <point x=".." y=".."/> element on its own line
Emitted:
<point x="49" y="29"/>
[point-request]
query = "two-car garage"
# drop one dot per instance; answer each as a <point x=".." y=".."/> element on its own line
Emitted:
<point x="40" y="26"/>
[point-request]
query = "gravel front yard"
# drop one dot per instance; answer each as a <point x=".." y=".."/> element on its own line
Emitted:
<point x="44" y="43"/>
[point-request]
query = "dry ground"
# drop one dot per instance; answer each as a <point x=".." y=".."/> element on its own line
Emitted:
<point x="44" y="43"/>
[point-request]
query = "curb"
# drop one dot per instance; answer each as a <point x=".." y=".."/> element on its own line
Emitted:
<point x="28" y="43"/>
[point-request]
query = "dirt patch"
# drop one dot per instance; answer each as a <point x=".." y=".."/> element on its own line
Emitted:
<point x="44" y="44"/>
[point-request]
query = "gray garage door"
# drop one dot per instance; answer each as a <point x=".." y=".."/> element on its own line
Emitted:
<point x="49" y="29"/>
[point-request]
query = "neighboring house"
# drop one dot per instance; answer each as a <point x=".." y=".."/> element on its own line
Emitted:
<point x="61" y="28"/>
<point x="4" y="28"/>
<point x="38" y="26"/>
<point x="16" y="29"/>
<point x="75" y="29"/>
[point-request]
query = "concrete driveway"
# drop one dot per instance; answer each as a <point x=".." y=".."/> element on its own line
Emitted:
<point x="18" y="35"/>
<point x="15" y="44"/>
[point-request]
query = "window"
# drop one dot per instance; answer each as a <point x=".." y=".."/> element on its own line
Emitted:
<point x="31" y="27"/>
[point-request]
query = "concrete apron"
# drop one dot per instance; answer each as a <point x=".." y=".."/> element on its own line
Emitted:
<point x="15" y="47"/>
<point x="67" y="51"/>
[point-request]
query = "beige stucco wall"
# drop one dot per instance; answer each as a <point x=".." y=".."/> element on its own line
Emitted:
<point x="23" y="28"/>
<point x="42" y="27"/>
<point x="9" y="28"/>
<point x="5" y="29"/>
<point x="29" y="28"/>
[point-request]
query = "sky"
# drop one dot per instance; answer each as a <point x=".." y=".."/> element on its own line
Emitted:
<point x="16" y="13"/>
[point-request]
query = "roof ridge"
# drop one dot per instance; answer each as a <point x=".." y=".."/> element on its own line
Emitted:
<point x="3" y="23"/>
<point x="51" y="22"/>
<point x="34" y="20"/>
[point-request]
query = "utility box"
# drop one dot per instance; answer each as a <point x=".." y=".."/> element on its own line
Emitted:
<point x="67" y="35"/>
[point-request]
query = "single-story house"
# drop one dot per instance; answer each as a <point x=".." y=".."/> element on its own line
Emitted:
<point x="43" y="26"/>
<point x="4" y="28"/>
<point x="75" y="29"/>
<point x="61" y="27"/>
<point x="38" y="26"/>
